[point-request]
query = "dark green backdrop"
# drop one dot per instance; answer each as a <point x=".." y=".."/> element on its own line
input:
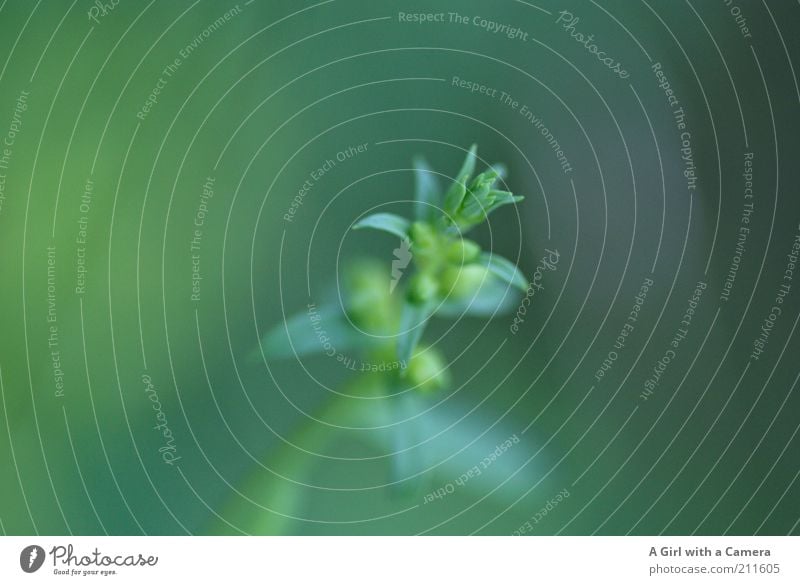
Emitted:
<point x="258" y="96"/>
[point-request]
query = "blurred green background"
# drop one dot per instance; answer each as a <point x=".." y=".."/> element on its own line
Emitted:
<point x="254" y="98"/>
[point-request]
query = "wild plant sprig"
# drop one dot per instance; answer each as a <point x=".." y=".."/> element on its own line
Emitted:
<point x="451" y="271"/>
<point x="452" y="276"/>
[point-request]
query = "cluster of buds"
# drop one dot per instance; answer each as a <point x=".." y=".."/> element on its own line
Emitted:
<point x="449" y="268"/>
<point x="469" y="202"/>
<point x="445" y="264"/>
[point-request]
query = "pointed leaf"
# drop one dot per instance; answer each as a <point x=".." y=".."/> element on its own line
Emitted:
<point x="387" y="222"/>
<point x="476" y="206"/>
<point x="503" y="198"/>
<point x="473" y="213"/>
<point x="309" y="332"/>
<point x="504" y="269"/>
<point x="493" y="298"/>
<point x="427" y="192"/>
<point x="453" y="198"/>
<point x="455" y="194"/>
<point x="468" y="167"/>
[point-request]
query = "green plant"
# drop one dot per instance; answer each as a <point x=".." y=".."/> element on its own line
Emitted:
<point x="385" y="409"/>
<point x="451" y="276"/>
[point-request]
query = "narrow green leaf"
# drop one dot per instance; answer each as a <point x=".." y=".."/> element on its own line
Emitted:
<point x="427" y="192"/>
<point x="476" y="206"/>
<point x="503" y="198"/>
<point x="504" y="269"/>
<point x="475" y="212"/>
<point x="455" y="194"/>
<point x="468" y="167"/>
<point x="412" y="324"/>
<point x="493" y="299"/>
<point x="309" y="332"/>
<point x="387" y="222"/>
<point x="453" y="198"/>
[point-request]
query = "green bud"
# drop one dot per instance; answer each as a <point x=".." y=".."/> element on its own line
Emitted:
<point x="462" y="251"/>
<point x="462" y="281"/>
<point x="369" y="303"/>
<point x="423" y="236"/>
<point x="422" y="288"/>
<point x="425" y="245"/>
<point x="427" y="370"/>
<point x="477" y="200"/>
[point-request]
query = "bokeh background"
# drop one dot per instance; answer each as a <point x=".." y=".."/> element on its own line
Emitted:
<point x="248" y="108"/>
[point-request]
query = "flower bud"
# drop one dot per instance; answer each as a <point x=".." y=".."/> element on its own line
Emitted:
<point x="462" y="281"/>
<point x="422" y="288"/>
<point x="463" y="251"/>
<point x="427" y="370"/>
<point x="424" y="244"/>
<point x="369" y="304"/>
